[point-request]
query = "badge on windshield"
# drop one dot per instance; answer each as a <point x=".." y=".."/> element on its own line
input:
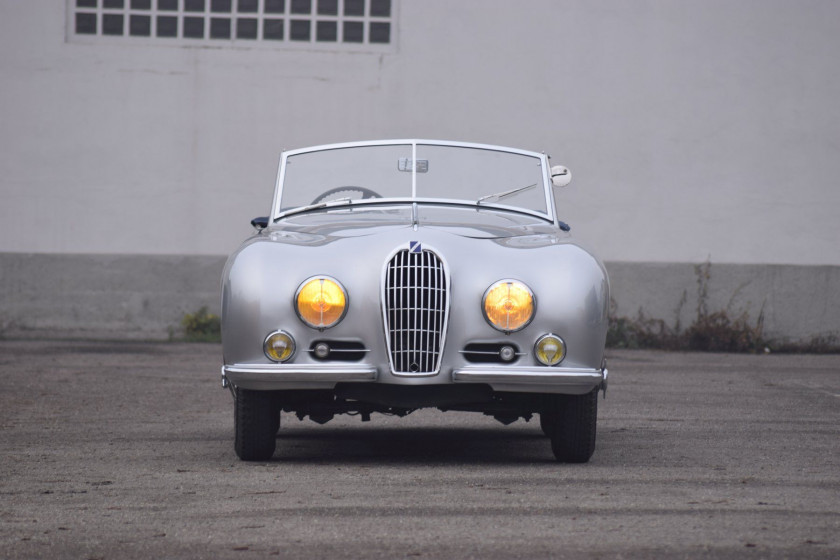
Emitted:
<point x="407" y="164"/>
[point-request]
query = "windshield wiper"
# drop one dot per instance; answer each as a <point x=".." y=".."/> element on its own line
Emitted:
<point x="343" y="201"/>
<point x="504" y="194"/>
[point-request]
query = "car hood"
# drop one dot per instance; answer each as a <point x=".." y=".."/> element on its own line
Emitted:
<point x="478" y="246"/>
<point x="323" y="227"/>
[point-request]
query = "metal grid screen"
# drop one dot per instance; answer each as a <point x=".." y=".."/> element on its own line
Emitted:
<point x="416" y="305"/>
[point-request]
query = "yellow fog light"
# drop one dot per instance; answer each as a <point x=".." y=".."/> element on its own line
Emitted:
<point x="321" y="302"/>
<point x="279" y="346"/>
<point x="508" y="305"/>
<point x="550" y="349"/>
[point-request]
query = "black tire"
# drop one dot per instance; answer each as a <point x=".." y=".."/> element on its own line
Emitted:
<point x="256" y="419"/>
<point x="545" y="424"/>
<point x="572" y="421"/>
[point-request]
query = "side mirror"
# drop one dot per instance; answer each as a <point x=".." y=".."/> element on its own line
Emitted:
<point x="560" y="176"/>
<point x="260" y="223"/>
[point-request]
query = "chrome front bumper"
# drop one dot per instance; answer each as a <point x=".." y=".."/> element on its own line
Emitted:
<point x="576" y="381"/>
<point x="500" y="378"/>
<point x="294" y="376"/>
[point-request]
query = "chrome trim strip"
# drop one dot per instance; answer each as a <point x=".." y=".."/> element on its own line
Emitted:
<point x="414" y="169"/>
<point x="414" y="141"/>
<point x="528" y="375"/>
<point x="488" y="353"/>
<point x="301" y="372"/>
<point x="398" y="201"/>
<point x="347" y="350"/>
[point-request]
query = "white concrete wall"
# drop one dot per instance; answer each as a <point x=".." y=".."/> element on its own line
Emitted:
<point x="694" y="129"/>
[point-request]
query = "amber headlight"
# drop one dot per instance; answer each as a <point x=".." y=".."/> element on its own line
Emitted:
<point x="550" y="349"/>
<point x="279" y="346"/>
<point x="321" y="302"/>
<point x="508" y="305"/>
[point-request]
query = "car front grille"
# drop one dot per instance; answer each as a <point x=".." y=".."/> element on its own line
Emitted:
<point x="416" y="305"/>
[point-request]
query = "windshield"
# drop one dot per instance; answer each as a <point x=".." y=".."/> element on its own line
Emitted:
<point x="325" y="175"/>
<point x="476" y="175"/>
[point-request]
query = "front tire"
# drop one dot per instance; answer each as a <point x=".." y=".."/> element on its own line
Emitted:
<point x="256" y="419"/>
<point x="545" y="424"/>
<point x="571" y="424"/>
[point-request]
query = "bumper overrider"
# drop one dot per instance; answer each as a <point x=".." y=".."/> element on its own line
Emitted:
<point x="500" y="378"/>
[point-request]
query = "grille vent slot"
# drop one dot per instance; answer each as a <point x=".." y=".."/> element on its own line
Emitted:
<point x="416" y="305"/>
<point x="340" y="351"/>
<point x="488" y="352"/>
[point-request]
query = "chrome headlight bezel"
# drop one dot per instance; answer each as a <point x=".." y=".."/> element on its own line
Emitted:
<point x="511" y="281"/>
<point x="296" y="301"/>
<point x="292" y="345"/>
<point x="562" y="343"/>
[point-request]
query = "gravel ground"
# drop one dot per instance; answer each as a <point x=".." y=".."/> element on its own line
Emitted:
<point x="125" y="450"/>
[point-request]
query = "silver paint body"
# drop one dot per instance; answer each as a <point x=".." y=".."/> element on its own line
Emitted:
<point x="480" y="243"/>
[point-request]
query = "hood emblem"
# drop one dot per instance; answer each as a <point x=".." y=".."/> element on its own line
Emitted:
<point x="414" y="247"/>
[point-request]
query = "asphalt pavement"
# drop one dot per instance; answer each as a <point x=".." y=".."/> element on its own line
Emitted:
<point x="125" y="450"/>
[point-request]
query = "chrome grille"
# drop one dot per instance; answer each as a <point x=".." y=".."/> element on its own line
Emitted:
<point x="416" y="304"/>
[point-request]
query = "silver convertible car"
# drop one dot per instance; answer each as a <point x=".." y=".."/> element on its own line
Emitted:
<point x="396" y="275"/>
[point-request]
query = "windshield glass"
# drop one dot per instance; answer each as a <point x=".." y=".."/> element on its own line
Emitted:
<point x="355" y="173"/>
<point x="477" y="175"/>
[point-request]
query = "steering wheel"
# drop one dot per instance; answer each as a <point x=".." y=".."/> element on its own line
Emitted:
<point x="366" y="193"/>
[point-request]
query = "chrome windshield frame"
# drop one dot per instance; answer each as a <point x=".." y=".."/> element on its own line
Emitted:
<point x="550" y="215"/>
